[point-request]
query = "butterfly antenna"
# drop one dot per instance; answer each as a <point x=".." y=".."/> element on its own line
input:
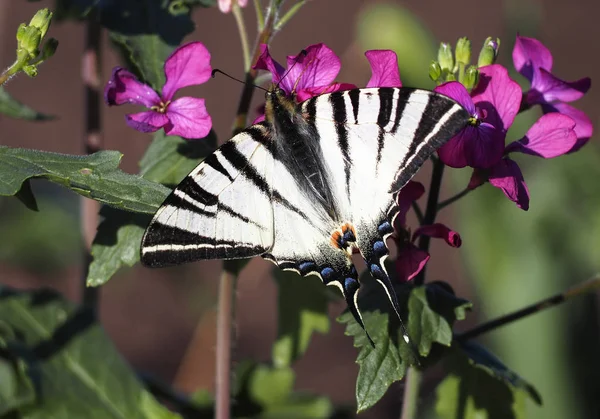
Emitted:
<point x="216" y="70"/>
<point x="303" y="53"/>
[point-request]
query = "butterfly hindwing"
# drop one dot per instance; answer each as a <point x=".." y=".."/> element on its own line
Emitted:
<point x="221" y="210"/>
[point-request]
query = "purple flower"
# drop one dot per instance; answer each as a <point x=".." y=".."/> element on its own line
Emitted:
<point x="493" y="104"/>
<point x="384" y="68"/>
<point x="186" y="117"/>
<point x="411" y="260"/>
<point x="551" y="136"/>
<point x="534" y="61"/>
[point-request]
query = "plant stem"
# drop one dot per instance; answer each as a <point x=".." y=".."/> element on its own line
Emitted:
<point x="430" y="210"/>
<point x="411" y="393"/>
<point x="579" y="289"/>
<point x="454" y="198"/>
<point x="260" y="18"/>
<point x="246" y="98"/>
<point x="225" y="315"/>
<point x="92" y="140"/>
<point x="236" y="10"/>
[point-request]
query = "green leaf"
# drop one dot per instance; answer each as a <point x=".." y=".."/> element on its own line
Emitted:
<point x="25" y="195"/>
<point x="147" y="31"/>
<point x="169" y="159"/>
<point x="95" y="176"/>
<point x="81" y="373"/>
<point x="479" y="386"/>
<point x="302" y="311"/>
<point x="15" y="109"/>
<point x="432" y="310"/>
<point x="117" y="244"/>
<point x="16" y="387"/>
<point x="265" y="392"/>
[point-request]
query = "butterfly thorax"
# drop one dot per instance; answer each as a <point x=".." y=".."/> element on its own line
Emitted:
<point x="297" y="147"/>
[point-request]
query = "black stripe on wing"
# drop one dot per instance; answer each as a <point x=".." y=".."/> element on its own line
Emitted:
<point x="340" y="117"/>
<point x="386" y="96"/>
<point x="438" y="107"/>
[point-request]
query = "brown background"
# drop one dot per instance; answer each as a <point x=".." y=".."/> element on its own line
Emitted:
<point x="152" y="315"/>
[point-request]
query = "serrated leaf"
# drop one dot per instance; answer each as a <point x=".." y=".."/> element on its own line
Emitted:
<point x="433" y="309"/>
<point x="431" y="312"/>
<point x="96" y="176"/>
<point x="117" y="244"/>
<point x="148" y="31"/>
<point x="385" y="363"/>
<point x="15" y="109"/>
<point x="169" y="159"/>
<point x="302" y="310"/>
<point x="481" y="387"/>
<point x="82" y="374"/>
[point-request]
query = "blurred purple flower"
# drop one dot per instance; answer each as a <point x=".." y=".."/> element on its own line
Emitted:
<point x="534" y="61"/>
<point x="493" y="104"/>
<point x="411" y="260"/>
<point x="551" y="136"/>
<point x="186" y="117"/>
<point x="225" y="5"/>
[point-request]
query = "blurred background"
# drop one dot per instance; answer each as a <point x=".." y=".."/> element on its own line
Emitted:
<point x="163" y="321"/>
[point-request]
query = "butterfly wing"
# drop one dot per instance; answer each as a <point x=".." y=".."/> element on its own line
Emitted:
<point x="221" y="210"/>
<point x="374" y="141"/>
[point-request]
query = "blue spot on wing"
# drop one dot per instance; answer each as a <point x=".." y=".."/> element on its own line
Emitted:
<point x="385" y="228"/>
<point x="306" y="267"/>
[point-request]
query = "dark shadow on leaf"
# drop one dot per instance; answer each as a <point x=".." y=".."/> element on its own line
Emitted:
<point x="115" y="219"/>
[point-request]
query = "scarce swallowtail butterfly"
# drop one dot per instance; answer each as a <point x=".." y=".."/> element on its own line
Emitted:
<point x="309" y="186"/>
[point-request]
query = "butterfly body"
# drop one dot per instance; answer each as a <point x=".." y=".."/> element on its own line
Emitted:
<point x="308" y="187"/>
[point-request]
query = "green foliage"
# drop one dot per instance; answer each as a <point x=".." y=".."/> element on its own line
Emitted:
<point x="95" y="176"/>
<point x="302" y="310"/>
<point x="117" y="243"/>
<point x="480" y="386"/>
<point x="15" y="109"/>
<point x="74" y="367"/>
<point x="265" y="392"/>
<point x="432" y="311"/>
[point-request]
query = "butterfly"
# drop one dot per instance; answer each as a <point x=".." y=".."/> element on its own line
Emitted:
<point x="309" y="186"/>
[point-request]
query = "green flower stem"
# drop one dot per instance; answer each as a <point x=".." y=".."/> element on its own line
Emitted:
<point x="246" y="98"/>
<point x="454" y="198"/>
<point x="225" y="330"/>
<point x="579" y="289"/>
<point x="12" y="70"/>
<point x="236" y="10"/>
<point x="431" y="210"/>
<point x="260" y="17"/>
<point x="92" y="141"/>
<point x="290" y="13"/>
<point x="410" y="401"/>
<point x="418" y="213"/>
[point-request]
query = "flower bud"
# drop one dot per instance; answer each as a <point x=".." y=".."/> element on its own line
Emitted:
<point x="463" y="51"/>
<point x="489" y="52"/>
<point x="435" y="71"/>
<point x="445" y="57"/>
<point x="471" y="77"/>
<point x="31" y="70"/>
<point x="49" y="49"/>
<point x="28" y="40"/>
<point x="41" y="20"/>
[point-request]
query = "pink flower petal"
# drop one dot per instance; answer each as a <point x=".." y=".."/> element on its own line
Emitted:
<point x="319" y="67"/>
<point x="583" y="124"/>
<point x="188" y="65"/>
<point x="124" y="87"/>
<point x="225" y="5"/>
<point x="552" y="88"/>
<point x="440" y="231"/>
<point x="478" y="178"/>
<point x="384" y="68"/>
<point x="478" y="147"/>
<point x="407" y="195"/>
<point x="148" y="121"/>
<point x="458" y="92"/>
<point x="304" y="94"/>
<point x="552" y="135"/>
<point x="188" y="118"/>
<point x="266" y="62"/>
<point x="529" y="55"/>
<point x="507" y="176"/>
<point x="411" y="260"/>
<point x="497" y="97"/>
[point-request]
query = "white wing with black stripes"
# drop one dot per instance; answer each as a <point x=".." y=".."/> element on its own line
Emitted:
<point x="307" y="187"/>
